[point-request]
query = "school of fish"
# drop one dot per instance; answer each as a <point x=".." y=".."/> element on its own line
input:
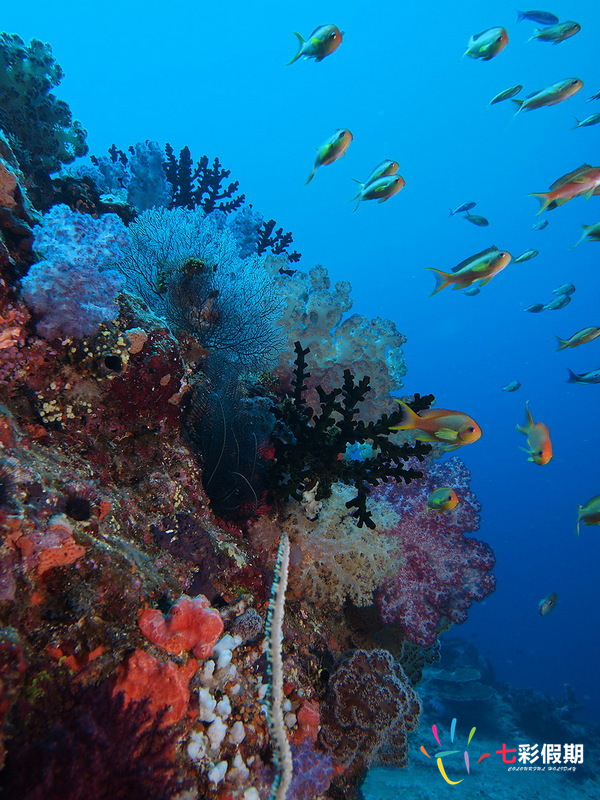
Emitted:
<point x="452" y="429"/>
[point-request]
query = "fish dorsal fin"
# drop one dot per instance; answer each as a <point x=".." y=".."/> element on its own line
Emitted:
<point x="533" y="94"/>
<point x="477" y="36"/>
<point x="470" y="259"/>
<point x="569" y="177"/>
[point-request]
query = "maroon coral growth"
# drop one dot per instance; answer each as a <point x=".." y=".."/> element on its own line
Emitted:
<point x="191" y="625"/>
<point x="370" y="707"/>
<point x="444" y="571"/>
<point x="148" y="390"/>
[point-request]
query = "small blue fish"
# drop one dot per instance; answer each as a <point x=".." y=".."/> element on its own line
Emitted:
<point x="541" y="17"/>
<point x="564" y="288"/>
<point x="546" y="605"/>
<point x="463" y="207"/>
<point x="560" y="301"/>
<point x="481" y="222"/>
<point x="593" y="97"/>
<point x="512" y="386"/>
<point x="585" y="377"/>
<point x="535" y="308"/>
<point x="539" y="225"/>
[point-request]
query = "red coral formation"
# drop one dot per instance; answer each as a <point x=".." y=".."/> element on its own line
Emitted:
<point x="444" y="571"/>
<point x="191" y="626"/>
<point x="163" y="684"/>
<point x="52" y="547"/>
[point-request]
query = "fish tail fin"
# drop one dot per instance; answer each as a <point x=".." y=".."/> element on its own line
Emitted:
<point x="310" y="177"/>
<point x="578" y="519"/>
<point x="442" y="279"/>
<point x="529" y="423"/>
<point x="577" y="125"/>
<point x="544" y="199"/>
<point x="520" y="16"/>
<point x="299" y="53"/>
<point x="517" y="102"/>
<point x="410" y="419"/>
<point x="357" y="205"/>
<point x="583" y="235"/>
<point x="451" y="214"/>
<point x="572" y="377"/>
<point x="562" y="343"/>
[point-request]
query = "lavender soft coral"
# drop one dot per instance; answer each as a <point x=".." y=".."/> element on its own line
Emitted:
<point x="443" y="571"/>
<point x="73" y="289"/>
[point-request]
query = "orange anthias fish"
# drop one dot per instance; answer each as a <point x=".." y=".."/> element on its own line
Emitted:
<point x="481" y="267"/>
<point x="538" y="439"/>
<point x="584" y="180"/>
<point x="451" y="428"/>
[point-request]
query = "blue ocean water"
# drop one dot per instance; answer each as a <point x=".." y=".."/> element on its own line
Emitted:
<point x="213" y="76"/>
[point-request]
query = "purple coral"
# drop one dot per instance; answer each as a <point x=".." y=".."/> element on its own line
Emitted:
<point x="73" y="289"/>
<point x="443" y="570"/>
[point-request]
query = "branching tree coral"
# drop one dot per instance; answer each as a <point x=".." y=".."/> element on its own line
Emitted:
<point x="200" y="185"/>
<point x="309" y="447"/>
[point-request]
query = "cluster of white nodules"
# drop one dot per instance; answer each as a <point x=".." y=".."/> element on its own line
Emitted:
<point x="204" y="746"/>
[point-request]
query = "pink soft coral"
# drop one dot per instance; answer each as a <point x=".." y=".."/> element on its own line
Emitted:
<point x="443" y="571"/>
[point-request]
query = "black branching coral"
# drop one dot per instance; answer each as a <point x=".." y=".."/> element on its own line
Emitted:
<point x="202" y="184"/>
<point x="275" y="239"/>
<point x="309" y="447"/>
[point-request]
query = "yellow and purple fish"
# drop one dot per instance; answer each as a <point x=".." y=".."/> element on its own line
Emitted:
<point x="321" y="43"/>
<point x="550" y="96"/>
<point x="481" y="267"/>
<point x="442" y="499"/>
<point x="589" y="514"/>
<point x="546" y="605"/>
<point x="557" y="33"/>
<point x="380" y="189"/>
<point x="591" y="233"/>
<point x="387" y="167"/>
<point x="451" y="428"/>
<point x="506" y="94"/>
<point x="538" y="439"/>
<point x="487" y="44"/>
<point x="583" y="336"/>
<point x="584" y="180"/>
<point x="331" y="150"/>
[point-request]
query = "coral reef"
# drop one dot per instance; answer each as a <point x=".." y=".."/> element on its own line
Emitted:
<point x="315" y="314"/>
<point x="156" y="444"/>
<point x="73" y="290"/>
<point x="188" y="271"/>
<point x="443" y="571"/>
<point x="309" y="448"/>
<point x="200" y="185"/>
<point x="39" y="127"/>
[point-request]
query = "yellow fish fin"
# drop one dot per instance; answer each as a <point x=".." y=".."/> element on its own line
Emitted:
<point x="485" y="280"/>
<point x="447" y="434"/>
<point x="529" y="421"/>
<point x="425" y="437"/>
<point x="521" y="429"/>
<point x="300" y="51"/>
<point x="442" y="279"/>
<point x="410" y="420"/>
<point x="311" y="176"/>
<point x="543" y="198"/>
